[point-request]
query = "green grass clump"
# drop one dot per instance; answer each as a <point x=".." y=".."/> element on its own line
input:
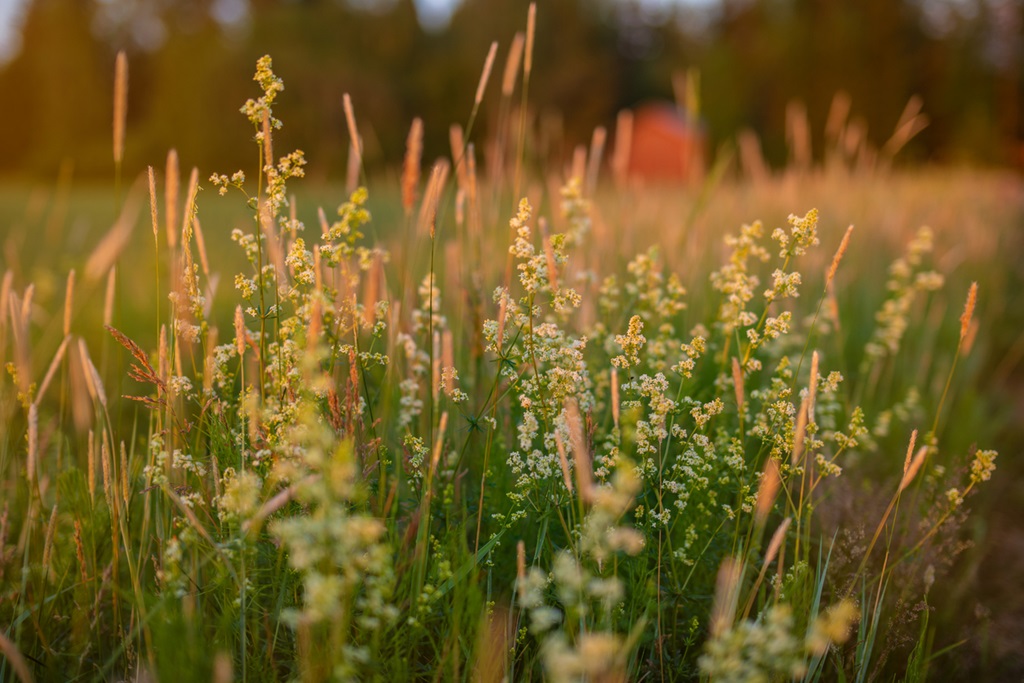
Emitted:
<point x="474" y="456"/>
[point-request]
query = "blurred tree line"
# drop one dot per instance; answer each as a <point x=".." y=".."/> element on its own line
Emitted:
<point x="191" y="63"/>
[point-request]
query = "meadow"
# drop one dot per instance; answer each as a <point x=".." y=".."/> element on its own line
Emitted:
<point x="533" y="423"/>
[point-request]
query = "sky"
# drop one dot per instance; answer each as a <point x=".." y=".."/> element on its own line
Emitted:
<point x="9" y="41"/>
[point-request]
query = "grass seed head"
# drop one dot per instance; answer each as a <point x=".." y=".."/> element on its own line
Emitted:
<point x="411" y="165"/>
<point x="737" y="383"/>
<point x="965" y="317"/>
<point x="766" y="491"/>
<point x="580" y="451"/>
<point x="486" y="74"/>
<point x="812" y="387"/>
<point x="108" y="298"/>
<point x="239" y="331"/>
<point x="723" y="607"/>
<point x="914" y="467"/>
<point x="838" y="257"/>
<point x="531" y="30"/>
<point x="910" y="451"/>
<point x="515" y="56"/>
<point x="52" y="370"/>
<point x="171" y="183"/>
<point x="799" y="433"/>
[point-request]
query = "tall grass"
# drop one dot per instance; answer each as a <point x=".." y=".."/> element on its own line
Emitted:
<point x="419" y="463"/>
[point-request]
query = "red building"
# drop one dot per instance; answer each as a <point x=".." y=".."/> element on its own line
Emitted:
<point x="665" y="146"/>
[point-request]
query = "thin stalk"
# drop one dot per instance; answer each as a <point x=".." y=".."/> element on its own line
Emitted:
<point x="259" y="269"/>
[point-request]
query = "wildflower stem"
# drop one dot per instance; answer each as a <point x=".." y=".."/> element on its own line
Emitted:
<point x="945" y="391"/>
<point x="259" y="267"/>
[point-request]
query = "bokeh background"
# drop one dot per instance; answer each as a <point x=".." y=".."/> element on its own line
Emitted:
<point x="191" y="61"/>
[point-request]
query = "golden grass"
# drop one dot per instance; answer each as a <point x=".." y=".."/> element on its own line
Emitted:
<point x="120" y="104"/>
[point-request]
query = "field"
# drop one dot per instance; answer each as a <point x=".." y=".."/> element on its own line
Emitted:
<point x="528" y="425"/>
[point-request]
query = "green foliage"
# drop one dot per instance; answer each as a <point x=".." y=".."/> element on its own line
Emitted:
<point x="583" y="478"/>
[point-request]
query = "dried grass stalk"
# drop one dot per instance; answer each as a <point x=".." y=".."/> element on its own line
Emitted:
<point x="107" y="473"/>
<point x="51" y="528"/>
<point x="411" y="165"/>
<point x="435" y="458"/>
<point x="69" y="299"/>
<point x="838" y="112"/>
<point x="580" y="452"/>
<point x="623" y="147"/>
<point x="33" y="444"/>
<point x="371" y="295"/>
<point x="350" y="121"/>
<point x="171" y="181"/>
<point x="910" y="451"/>
<point x="521" y="563"/>
<point x="209" y="360"/>
<point x="26" y="307"/>
<point x="92" y="376"/>
<point x="800" y="433"/>
<point x="776" y="542"/>
<point x="353" y="166"/>
<point x="13" y="655"/>
<point x="838" y="257"/>
<point x="915" y="466"/>
<point x="549" y="254"/>
<point x="52" y="370"/>
<point x="752" y="157"/>
<point x="80" y="551"/>
<point x="201" y="245"/>
<point x="723" y="607"/>
<point x="91" y="465"/>
<point x="223" y="668"/>
<point x="436" y="367"/>
<point x="965" y="317"/>
<point x="190" y="207"/>
<point x="502" y="312"/>
<point x="125" y="489"/>
<point x="120" y="104"/>
<point x="767" y="491"/>
<point x="316" y="322"/>
<point x="486" y="75"/>
<point x="531" y="30"/>
<point x="579" y="163"/>
<point x="493" y="646"/>
<point x="5" y="292"/>
<point x="798" y="134"/>
<point x="737" y="383"/>
<point x="615" y="397"/>
<point x="432" y="197"/>
<point x="267" y="143"/>
<point x="457" y="142"/>
<point x="563" y="462"/>
<point x="597" y="142"/>
<point x="812" y="387"/>
<point x="151" y="176"/>
<point x="113" y="243"/>
<point x="108" y="297"/>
